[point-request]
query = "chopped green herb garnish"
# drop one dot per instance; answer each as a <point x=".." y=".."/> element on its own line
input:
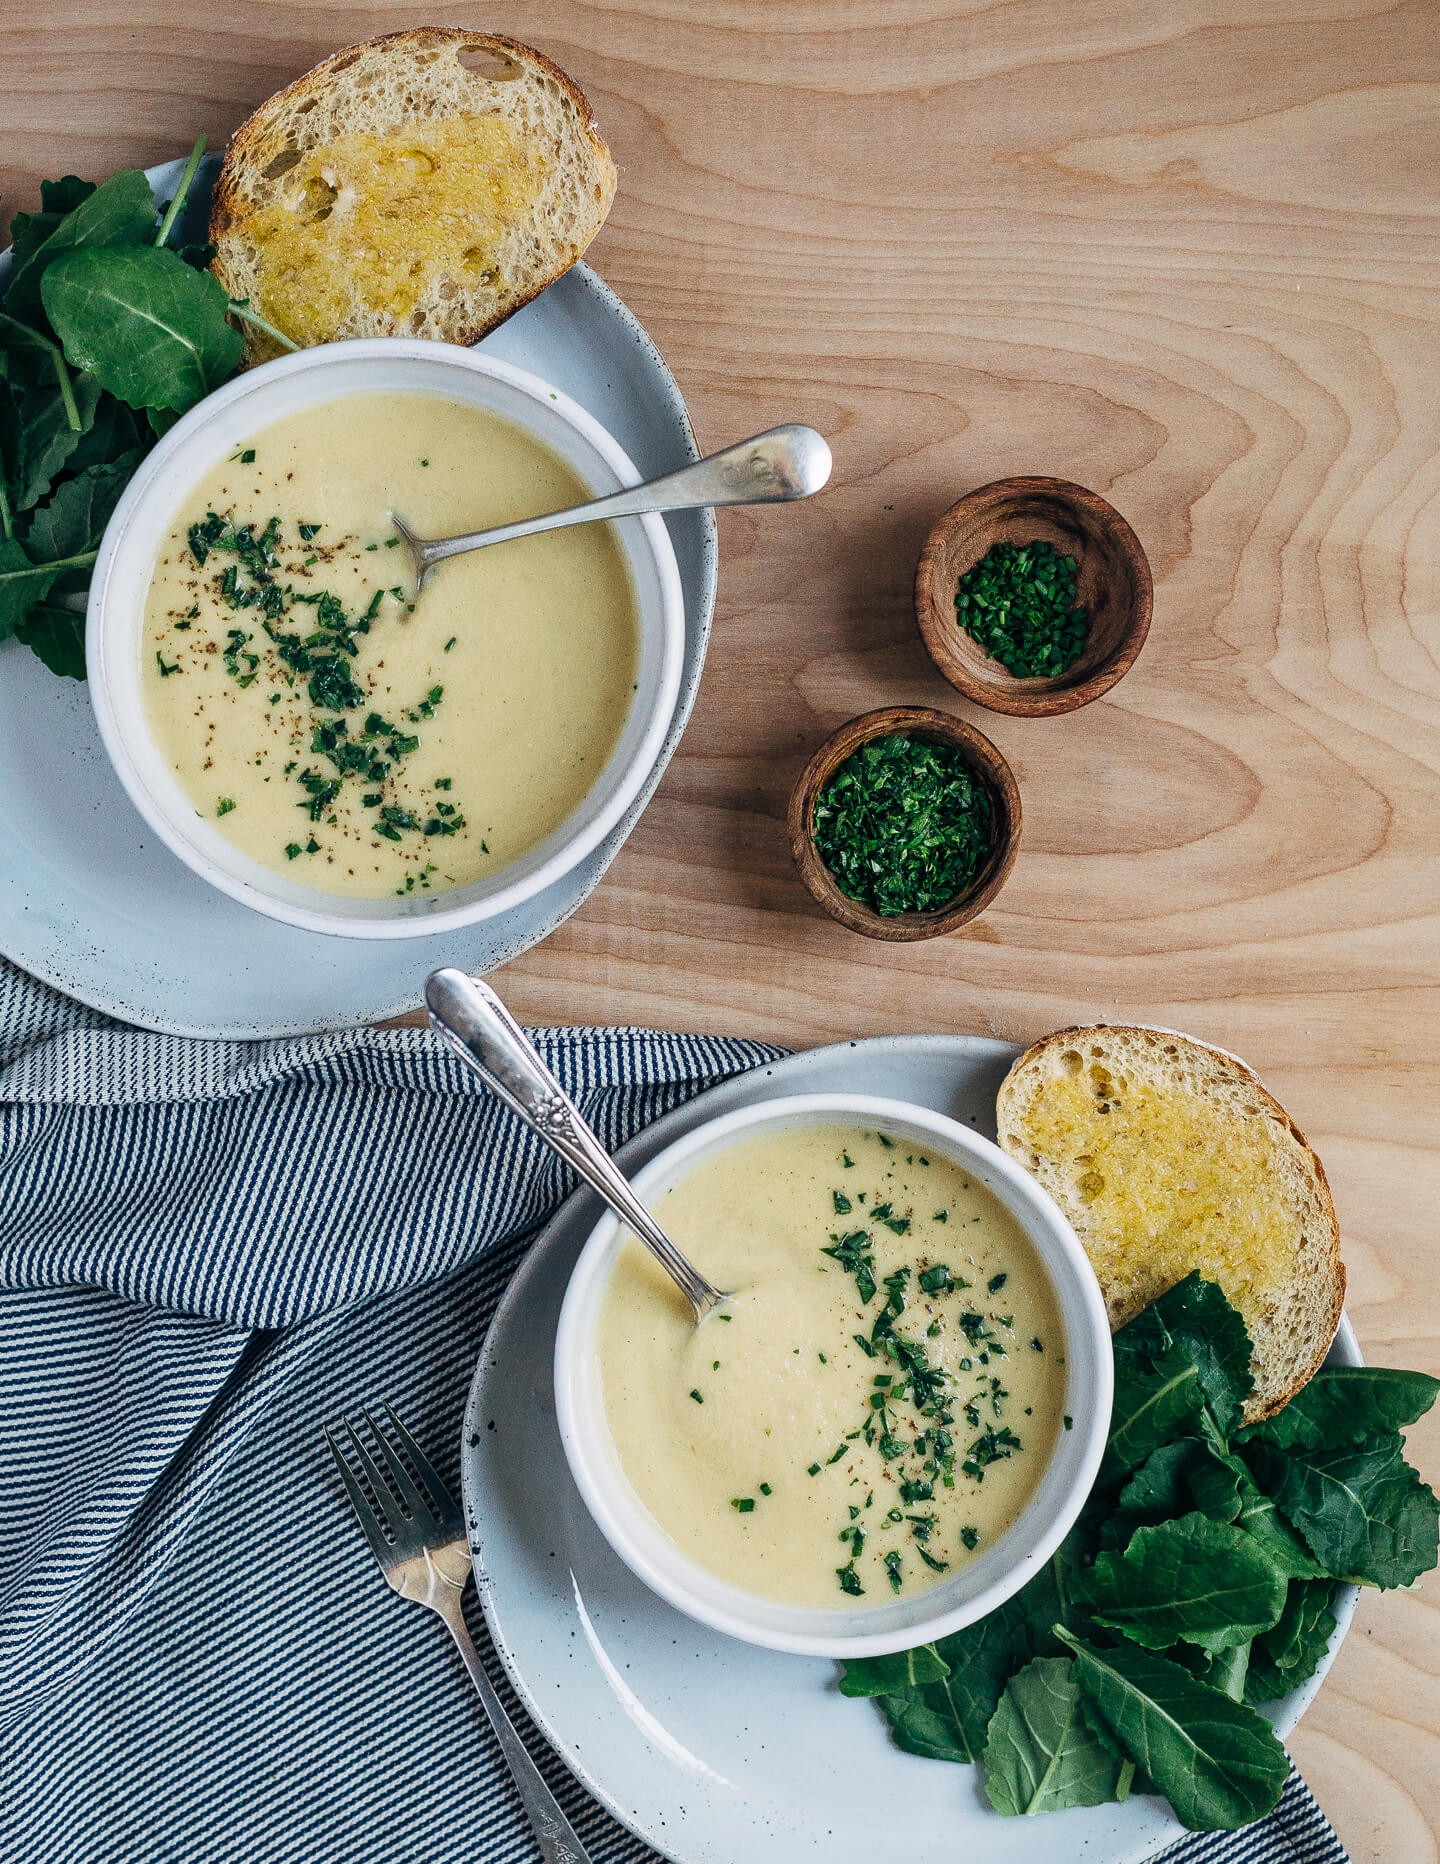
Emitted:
<point x="744" y="1504"/>
<point x="696" y="1396"/>
<point x="813" y="1470"/>
<point x="765" y="1489"/>
<point x="843" y="1206"/>
<point x="905" y="826"/>
<point x="996" y="1283"/>
<point x="892" y="1568"/>
<point x="225" y="805"/>
<point x="1018" y="602"/>
<point x="165" y="671"/>
<point x="853" y="1252"/>
<point x="849" y="1580"/>
<point x="970" y="1537"/>
<point x="991" y="1446"/>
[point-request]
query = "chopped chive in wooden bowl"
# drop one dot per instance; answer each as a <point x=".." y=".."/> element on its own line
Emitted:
<point x="1005" y="631"/>
<point x="1019" y="603"/>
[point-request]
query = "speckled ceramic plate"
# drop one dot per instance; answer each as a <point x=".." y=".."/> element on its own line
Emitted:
<point x="708" y="1749"/>
<point x="96" y="905"/>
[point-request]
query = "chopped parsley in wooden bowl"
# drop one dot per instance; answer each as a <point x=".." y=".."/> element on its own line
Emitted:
<point x="905" y="823"/>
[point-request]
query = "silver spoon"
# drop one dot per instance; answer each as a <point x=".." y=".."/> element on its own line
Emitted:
<point x="483" y="1033"/>
<point x="783" y="463"/>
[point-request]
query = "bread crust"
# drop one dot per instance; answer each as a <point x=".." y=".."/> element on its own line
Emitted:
<point x="1240" y="1071"/>
<point x="227" y="209"/>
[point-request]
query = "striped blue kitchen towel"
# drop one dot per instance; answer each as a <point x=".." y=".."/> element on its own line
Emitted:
<point x="205" y="1249"/>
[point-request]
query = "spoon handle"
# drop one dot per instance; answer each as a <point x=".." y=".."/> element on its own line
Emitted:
<point x="483" y="1033"/>
<point x="782" y="463"/>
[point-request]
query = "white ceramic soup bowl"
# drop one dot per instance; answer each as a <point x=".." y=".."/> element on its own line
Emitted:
<point x="898" y="1623"/>
<point x="210" y="433"/>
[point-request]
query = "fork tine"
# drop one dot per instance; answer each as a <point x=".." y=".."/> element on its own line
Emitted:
<point x="443" y="1501"/>
<point x="389" y="1506"/>
<point x="364" y="1513"/>
<point x="400" y="1476"/>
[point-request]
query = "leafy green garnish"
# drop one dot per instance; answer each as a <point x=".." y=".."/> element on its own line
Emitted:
<point x="1194" y="1319"/>
<point x="1284" y="1657"/>
<point x="57" y="635"/>
<point x="151" y="330"/>
<point x="886" y="1676"/>
<point x="1040" y="1752"/>
<point x="1362" y="1510"/>
<point x="1154" y="1404"/>
<point x="118" y="215"/>
<point x="1200" y="1580"/>
<point x="1193" y="1580"/>
<point x="105" y="336"/>
<point x="1216" y="1761"/>
<point x="1345" y="1405"/>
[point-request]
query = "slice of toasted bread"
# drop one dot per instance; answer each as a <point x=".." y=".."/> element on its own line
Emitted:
<point x="1169" y="1156"/>
<point x="425" y="184"/>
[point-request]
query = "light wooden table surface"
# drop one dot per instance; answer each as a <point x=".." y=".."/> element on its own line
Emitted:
<point x="1187" y="254"/>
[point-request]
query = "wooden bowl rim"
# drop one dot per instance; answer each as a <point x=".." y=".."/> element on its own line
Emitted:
<point x="1031" y="698"/>
<point x="990" y="765"/>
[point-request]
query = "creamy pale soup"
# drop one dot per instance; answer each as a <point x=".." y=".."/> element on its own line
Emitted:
<point x="875" y="1405"/>
<point x="338" y="727"/>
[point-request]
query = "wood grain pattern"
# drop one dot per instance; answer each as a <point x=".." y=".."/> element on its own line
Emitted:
<point x="1186" y="254"/>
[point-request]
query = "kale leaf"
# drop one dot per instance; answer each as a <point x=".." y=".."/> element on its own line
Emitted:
<point x="119" y="213"/>
<point x="1363" y="1511"/>
<point x="150" y="329"/>
<point x="1194" y="1579"/>
<point x="1041" y="1753"/>
<point x="105" y="336"/>
<point x="1195" y="1318"/>
<point x="885" y="1676"/>
<point x="1216" y="1761"/>
<point x="1345" y="1405"/>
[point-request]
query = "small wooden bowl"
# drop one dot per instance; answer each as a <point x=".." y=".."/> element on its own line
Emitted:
<point x="985" y="761"/>
<point x="1115" y="590"/>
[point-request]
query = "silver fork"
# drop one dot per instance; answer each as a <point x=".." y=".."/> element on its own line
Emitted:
<point x="417" y="1534"/>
